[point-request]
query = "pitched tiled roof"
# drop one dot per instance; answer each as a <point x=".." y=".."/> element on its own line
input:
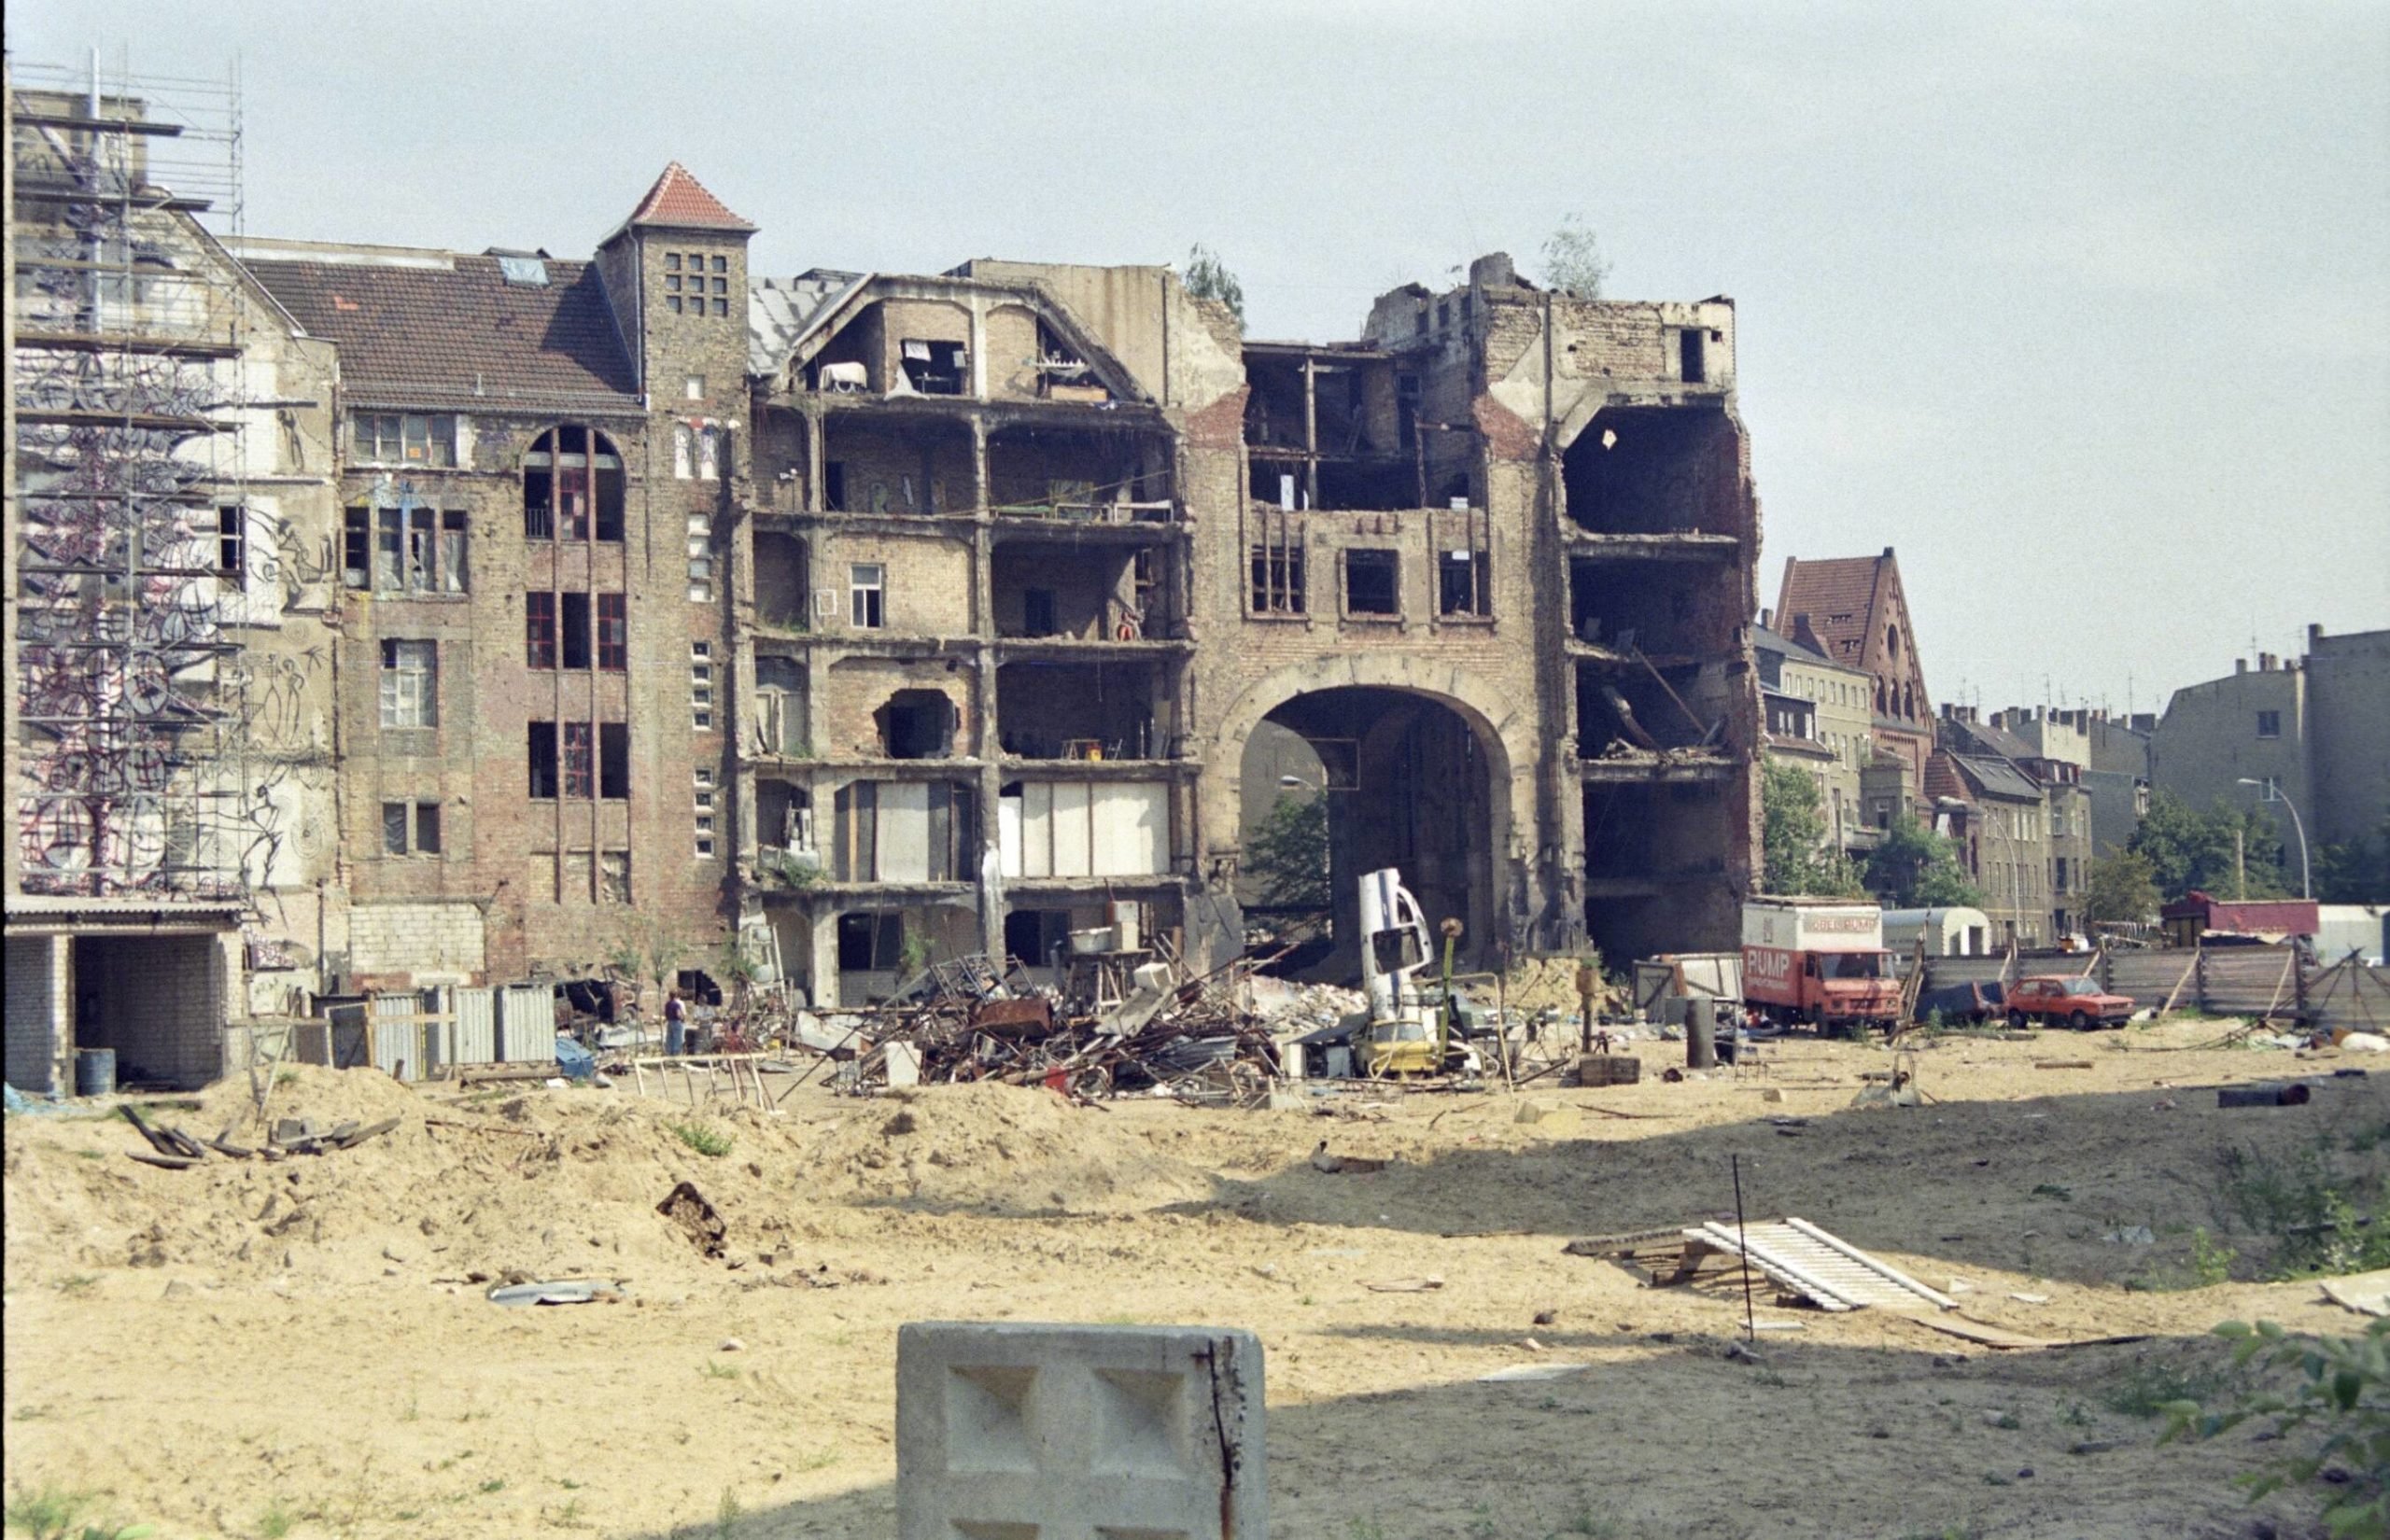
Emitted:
<point x="458" y="333"/>
<point x="680" y="200"/>
<point x="1822" y="590"/>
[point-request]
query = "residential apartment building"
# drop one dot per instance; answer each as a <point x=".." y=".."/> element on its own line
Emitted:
<point x="1038" y="548"/>
<point x="2053" y="748"/>
<point x="816" y="627"/>
<point x="1999" y="817"/>
<point x="2318" y="727"/>
<point x="1853" y="610"/>
<point x="1841" y="725"/>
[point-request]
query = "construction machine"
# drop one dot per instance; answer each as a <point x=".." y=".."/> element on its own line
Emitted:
<point x="1409" y="1027"/>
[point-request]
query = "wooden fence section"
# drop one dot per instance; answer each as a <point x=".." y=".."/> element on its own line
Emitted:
<point x="2244" y="981"/>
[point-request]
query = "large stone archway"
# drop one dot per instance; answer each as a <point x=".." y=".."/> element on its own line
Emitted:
<point x="1442" y="784"/>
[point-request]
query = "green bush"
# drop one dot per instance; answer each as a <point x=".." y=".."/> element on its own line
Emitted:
<point x="2336" y="1390"/>
<point x="703" y="1138"/>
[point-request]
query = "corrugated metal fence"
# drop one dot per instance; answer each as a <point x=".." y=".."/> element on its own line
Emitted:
<point x="2223" y="980"/>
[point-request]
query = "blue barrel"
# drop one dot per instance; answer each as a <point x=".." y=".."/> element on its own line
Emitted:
<point x="95" y="1071"/>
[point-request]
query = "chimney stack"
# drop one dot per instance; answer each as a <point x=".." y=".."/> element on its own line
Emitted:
<point x="2239" y="666"/>
<point x="2314" y="637"/>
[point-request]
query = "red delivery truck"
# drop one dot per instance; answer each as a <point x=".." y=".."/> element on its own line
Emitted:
<point x="1820" y="962"/>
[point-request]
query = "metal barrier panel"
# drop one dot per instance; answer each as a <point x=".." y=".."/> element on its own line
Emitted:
<point x="526" y="1024"/>
<point x="474" y="1026"/>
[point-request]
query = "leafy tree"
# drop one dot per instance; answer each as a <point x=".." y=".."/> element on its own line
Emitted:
<point x="1208" y="278"/>
<point x="1913" y="867"/>
<point x="1573" y="262"/>
<point x="2355" y="871"/>
<point x="2187" y="849"/>
<point x="2121" y="888"/>
<point x="1793" y="839"/>
<point x="1289" y="854"/>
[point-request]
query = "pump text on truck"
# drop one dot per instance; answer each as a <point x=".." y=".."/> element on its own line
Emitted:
<point x="1819" y="963"/>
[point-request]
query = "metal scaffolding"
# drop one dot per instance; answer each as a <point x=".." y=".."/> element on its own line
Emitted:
<point x="129" y="402"/>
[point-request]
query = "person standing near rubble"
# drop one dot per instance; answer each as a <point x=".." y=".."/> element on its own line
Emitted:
<point x="675" y="1024"/>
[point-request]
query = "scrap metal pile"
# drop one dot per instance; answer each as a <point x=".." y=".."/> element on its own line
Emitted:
<point x="1197" y="1041"/>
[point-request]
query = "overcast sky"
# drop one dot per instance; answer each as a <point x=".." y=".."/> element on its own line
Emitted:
<point x="2087" y="314"/>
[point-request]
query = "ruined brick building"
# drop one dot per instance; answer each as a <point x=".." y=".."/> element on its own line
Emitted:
<point x="814" y="627"/>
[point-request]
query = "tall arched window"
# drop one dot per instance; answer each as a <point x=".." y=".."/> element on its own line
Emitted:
<point x="572" y="486"/>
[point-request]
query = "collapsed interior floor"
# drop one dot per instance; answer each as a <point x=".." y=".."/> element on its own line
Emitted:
<point x="905" y="466"/>
<point x="1655" y="470"/>
<point x="1656" y="860"/>
<point x="1083" y="711"/>
<point x="1084" y="593"/>
<point x="1635" y="710"/>
<point x="1089" y="475"/>
<point x="1665" y="610"/>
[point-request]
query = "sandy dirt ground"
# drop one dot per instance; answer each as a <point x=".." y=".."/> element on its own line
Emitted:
<point x="305" y="1349"/>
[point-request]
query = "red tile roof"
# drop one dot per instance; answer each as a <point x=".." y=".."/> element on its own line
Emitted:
<point x="677" y="200"/>
<point x="460" y="335"/>
<point x="1822" y="590"/>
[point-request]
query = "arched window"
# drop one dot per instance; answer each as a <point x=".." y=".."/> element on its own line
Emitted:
<point x="1880" y="698"/>
<point x="572" y="486"/>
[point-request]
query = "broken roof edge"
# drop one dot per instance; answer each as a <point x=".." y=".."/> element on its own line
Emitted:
<point x="1081" y="337"/>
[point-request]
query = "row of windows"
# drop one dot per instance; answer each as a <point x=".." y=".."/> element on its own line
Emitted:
<point x="577" y="761"/>
<point x="1372" y="583"/>
<point x="413" y="549"/>
<point x="410" y="681"/>
<point x="557" y="631"/>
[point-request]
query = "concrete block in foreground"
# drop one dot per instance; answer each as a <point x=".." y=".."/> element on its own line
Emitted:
<point x="1027" y="1431"/>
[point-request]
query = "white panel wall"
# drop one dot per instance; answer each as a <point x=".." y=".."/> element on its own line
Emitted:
<point x="904" y="833"/>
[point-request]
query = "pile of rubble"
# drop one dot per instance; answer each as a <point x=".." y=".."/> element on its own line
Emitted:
<point x="963" y="1021"/>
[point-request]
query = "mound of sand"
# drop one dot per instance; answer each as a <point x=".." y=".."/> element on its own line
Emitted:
<point x="1001" y="1147"/>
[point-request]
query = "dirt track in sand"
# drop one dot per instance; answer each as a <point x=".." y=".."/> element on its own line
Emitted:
<point x="220" y="1350"/>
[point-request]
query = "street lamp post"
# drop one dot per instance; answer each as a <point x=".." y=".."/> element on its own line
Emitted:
<point x="2273" y="792"/>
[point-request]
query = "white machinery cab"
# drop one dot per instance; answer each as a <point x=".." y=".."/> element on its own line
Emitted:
<point x="1394" y="941"/>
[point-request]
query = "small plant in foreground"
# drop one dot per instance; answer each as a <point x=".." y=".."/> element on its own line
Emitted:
<point x="703" y="1138"/>
<point x="2339" y="1385"/>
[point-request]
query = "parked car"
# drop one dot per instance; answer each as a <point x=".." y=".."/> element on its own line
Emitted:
<point x="2078" y="1002"/>
<point x="1973" y="1003"/>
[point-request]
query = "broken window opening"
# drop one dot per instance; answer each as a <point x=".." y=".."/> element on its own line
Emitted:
<point x="1689" y="363"/>
<point x="410" y="684"/>
<point x="1277" y="587"/>
<point x="541" y="743"/>
<point x="934" y="368"/>
<point x="870" y="943"/>
<point x="356" y="547"/>
<point x="410" y="828"/>
<point x="779" y="705"/>
<point x="917" y="724"/>
<point x="572" y="486"/>
<point x="1372" y="582"/>
<point x="452" y="551"/>
<point x="1463" y="585"/>
<point x="613" y="877"/>
<point x="573" y="630"/>
<point x="614" y="761"/>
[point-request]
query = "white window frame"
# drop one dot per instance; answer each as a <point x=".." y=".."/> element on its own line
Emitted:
<point x="867" y="595"/>
<point x="410" y="695"/>
<point x="701" y="697"/>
